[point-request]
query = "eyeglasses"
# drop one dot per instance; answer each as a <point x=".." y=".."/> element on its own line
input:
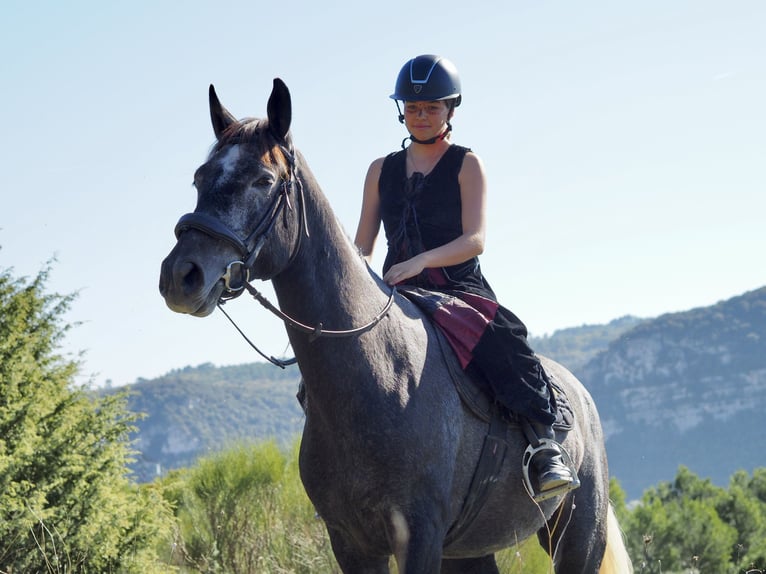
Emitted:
<point x="431" y="108"/>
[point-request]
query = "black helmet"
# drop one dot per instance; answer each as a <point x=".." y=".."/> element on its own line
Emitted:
<point x="428" y="78"/>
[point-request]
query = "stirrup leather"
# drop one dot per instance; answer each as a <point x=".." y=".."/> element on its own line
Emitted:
<point x="549" y="445"/>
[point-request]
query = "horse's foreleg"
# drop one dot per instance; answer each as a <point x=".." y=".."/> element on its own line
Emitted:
<point x="484" y="565"/>
<point x="423" y="555"/>
<point x="351" y="561"/>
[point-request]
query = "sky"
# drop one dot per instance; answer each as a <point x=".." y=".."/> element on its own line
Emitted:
<point x="624" y="145"/>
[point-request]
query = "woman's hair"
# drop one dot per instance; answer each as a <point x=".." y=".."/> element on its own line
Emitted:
<point x="452" y="103"/>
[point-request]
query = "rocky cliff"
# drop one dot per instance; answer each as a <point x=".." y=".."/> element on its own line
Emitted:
<point x="685" y="388"/>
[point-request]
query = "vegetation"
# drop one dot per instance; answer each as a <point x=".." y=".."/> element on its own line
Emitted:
<point x="244" y="511"/>
<point x="66" y="504"/>
<point x="690" y="525"/>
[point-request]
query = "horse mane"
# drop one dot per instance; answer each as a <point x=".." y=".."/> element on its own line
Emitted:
<point x="255" y="131"/>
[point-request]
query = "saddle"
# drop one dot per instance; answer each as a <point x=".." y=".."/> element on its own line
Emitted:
<point x="484" y="407"/>
<point x="495" y="446"/>
<point x="460" y="320"/>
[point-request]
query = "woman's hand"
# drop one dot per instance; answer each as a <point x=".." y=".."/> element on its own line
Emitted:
<point x="404" y="270"/>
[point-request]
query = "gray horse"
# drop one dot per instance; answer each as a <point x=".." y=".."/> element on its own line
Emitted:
<point x="389" y="449"/>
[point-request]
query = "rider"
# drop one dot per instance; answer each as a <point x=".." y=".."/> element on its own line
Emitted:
<point x="430" y="197"/>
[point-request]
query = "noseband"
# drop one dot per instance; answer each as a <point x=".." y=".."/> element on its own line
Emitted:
<point x="236" y="276"/>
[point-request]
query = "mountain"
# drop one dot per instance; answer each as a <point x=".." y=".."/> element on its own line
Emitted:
<point x="194" y="411"/>
<point x="575" y="346"/>
<point x="684" y="388"/>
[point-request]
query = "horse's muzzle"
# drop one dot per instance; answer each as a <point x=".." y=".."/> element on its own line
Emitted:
<point x="187" y="289"/>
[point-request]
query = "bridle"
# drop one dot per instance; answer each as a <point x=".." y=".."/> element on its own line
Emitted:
<point x="236" y="275"/>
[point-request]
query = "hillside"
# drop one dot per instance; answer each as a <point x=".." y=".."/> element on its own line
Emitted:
<point x="575" y="346"/>
<point x="198" y="410"/>
<point x="685" y="388"/>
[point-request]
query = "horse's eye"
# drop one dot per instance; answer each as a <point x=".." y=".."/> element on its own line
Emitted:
<point x="263" y="181"/>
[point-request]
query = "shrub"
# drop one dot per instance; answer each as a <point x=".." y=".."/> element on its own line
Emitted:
<point x="244" y="510"/>
<point x="66" y="504"/>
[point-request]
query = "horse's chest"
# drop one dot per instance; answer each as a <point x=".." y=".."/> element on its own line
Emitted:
<point x="352" y="503"/>
<point x="353" y="490"/>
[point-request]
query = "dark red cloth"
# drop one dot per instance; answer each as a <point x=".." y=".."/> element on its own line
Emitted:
<point x="462" y="317"/>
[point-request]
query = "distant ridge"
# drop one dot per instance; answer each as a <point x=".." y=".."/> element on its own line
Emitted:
<point x="575" y="346"/>
<point x="194" y="411"/>
<point x="683" y="388"/>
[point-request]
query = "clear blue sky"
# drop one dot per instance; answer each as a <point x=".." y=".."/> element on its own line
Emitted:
<point x="625" y="146"/>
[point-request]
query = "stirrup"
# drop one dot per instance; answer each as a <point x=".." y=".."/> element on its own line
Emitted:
<point x="549" y="445"/>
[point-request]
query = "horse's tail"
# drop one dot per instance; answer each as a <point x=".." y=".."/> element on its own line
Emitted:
<point x="616" y="559"/>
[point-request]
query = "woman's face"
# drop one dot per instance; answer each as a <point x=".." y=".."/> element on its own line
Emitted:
<point x="425" y="120"/>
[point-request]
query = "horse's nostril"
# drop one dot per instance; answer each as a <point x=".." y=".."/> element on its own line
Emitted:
<point x="189" y="277"/>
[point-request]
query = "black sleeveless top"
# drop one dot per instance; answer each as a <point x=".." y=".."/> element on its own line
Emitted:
<point x="422" y="213"/>
<point x="425" y="212"/>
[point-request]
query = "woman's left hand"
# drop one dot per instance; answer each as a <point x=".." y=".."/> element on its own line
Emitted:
<point x="403" y="271"/>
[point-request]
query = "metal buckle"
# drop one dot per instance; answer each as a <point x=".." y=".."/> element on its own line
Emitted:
<point x="236" y="276"/>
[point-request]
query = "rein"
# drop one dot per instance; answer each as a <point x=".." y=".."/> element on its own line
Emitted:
<point x="236" y="276"/>
<point x="313" y="332"/>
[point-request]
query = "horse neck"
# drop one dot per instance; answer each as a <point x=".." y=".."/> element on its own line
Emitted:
<point x="328" y="281"/>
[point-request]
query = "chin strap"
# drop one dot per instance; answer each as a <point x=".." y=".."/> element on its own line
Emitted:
<point x="429" y="141"/>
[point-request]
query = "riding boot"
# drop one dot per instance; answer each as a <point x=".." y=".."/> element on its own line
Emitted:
<point x="552" y="472"/>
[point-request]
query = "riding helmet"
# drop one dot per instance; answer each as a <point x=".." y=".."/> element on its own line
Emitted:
<point x="427" y="78"/>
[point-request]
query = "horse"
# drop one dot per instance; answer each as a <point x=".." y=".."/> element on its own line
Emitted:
<point x="389" y="449"/>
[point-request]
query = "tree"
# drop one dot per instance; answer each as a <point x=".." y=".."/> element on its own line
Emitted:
<point x="677" y="527"/>
<point x="66" y="503"/>
<point x="744" y="510"/>
<point x="692" y="525"/>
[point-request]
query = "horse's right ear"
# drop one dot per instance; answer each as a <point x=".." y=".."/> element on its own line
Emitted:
<point x="279" y="110"/>
<point x="219" y="115"/>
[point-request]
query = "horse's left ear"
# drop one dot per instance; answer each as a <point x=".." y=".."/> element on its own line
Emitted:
<point x="279" y="110"/>
<point x="219" y="115"/>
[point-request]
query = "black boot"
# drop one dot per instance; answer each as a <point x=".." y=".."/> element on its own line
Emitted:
<point x="552" y="472"/>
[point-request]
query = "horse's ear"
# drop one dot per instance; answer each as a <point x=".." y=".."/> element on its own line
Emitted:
<point x="280" y="110"/>
<point x="219" y="115"/>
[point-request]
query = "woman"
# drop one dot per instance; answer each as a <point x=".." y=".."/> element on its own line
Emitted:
<point x="431" y="199"/>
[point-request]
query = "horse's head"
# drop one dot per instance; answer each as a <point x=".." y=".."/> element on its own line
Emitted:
<point x="242" y="226"/>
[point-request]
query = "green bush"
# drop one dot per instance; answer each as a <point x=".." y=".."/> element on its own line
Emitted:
<point x="690" y="525"/>
<point x="66" y="504"/>
<point x="243" y="511"/>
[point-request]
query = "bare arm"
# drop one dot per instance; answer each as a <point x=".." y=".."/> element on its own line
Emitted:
<point x="473" y="192"/>
<point x="369" y="219"/>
